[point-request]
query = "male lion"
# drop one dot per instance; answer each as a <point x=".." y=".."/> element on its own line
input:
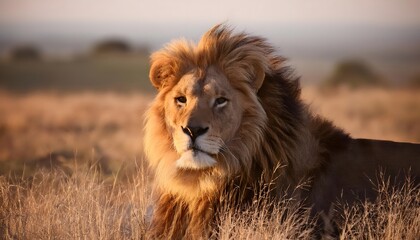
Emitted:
<point x="228" y="116"/>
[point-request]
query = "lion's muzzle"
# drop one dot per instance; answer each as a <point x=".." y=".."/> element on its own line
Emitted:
<point x="194" y="132"/>
<point x="198" y="152"/>
<point x="195" y="160"/>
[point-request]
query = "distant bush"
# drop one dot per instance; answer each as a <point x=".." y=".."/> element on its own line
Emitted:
<point x="354" y="73"/>
<point x="112" y="46"/>
<point x="25" y="53"/>
<point x="415" y="81"/>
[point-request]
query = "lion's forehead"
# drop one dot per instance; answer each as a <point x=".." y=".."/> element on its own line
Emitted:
<point x="211" y="85"/>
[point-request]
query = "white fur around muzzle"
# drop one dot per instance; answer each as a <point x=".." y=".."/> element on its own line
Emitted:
<point x="195" y="160"/>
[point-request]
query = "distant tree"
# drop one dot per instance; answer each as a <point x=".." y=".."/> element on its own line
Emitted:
<point x="354" y="73"/>
<point x="112" y="46"/>
<point x="25" y="53"/>
<point x="143" y="50"/>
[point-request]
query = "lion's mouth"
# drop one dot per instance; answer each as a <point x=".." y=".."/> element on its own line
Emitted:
<point x="196" y="159"/>
<point x="196" y="149"/>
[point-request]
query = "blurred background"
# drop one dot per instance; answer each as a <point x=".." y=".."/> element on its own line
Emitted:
<point x="74" y="73"/>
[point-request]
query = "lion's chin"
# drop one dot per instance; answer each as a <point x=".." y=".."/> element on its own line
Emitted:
<point x="195" y="160"/>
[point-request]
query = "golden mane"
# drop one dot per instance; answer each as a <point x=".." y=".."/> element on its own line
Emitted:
<point x="278" y="142"/>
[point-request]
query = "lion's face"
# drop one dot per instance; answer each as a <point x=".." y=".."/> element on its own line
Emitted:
<point x="207" y="122"/>
<point x="203" y="113"/>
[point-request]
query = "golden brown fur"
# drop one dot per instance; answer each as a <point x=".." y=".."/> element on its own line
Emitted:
<point x="228" y="115"/>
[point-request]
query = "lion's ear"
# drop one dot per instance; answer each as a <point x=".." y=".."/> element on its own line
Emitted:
<point x="161" y="69"/>
<point x="170" y="63"/>
<point x="259" y="76"/>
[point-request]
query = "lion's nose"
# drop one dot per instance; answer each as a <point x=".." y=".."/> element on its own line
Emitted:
<point x="194" y="132"/>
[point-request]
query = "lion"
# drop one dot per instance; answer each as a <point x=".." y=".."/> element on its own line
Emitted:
<point x="227" y="116"/>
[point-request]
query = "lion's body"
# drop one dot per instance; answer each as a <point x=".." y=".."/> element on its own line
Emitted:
<point x="229" y="116"/>
<point x="353" y="173"/>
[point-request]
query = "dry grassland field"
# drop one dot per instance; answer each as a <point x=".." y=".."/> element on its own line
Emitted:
<point x="72" y="167"/>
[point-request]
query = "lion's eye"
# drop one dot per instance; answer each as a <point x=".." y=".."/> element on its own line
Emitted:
<point x="221" y="101"/>
<point x="181" y="100"/>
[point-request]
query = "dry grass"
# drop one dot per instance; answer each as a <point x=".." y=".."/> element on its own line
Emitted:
<point x="72" y="168"/>
<point x="47" y="130"/>
<point x="394" y="215"/>
<point x="55" y="206"/>
<point x="389" y="114"/>
<point x="265" y="220"/>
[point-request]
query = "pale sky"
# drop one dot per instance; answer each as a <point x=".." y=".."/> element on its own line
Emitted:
<point x="374" y="12"/>
<point x="305" y="29"/>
